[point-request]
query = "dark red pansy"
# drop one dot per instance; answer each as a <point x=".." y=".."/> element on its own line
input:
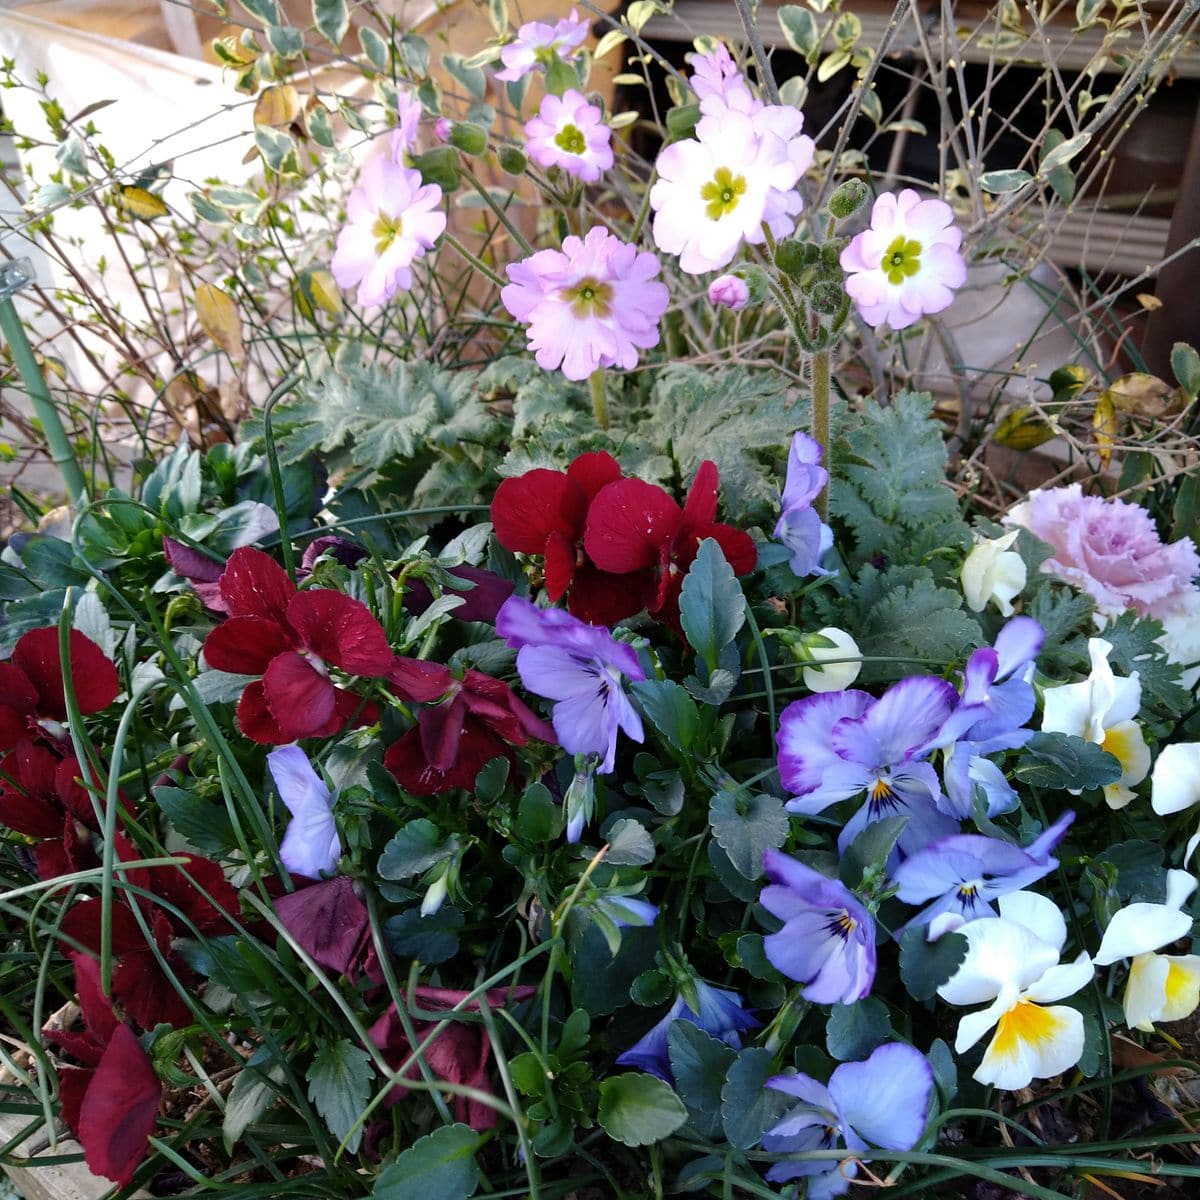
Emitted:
<point x="32" y="700"/>
<point x="459" y="1054"/>
<point x="635" y="527"/>
<point x="464" y="724"/>
<point x="290" y="639"/>
<point x="111" y="1104"/>
<point x="329" y="921"/>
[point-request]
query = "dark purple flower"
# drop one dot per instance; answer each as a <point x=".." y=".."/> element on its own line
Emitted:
<point x="828" y="939"/>
<point x="882" y="1101"/>
<point x="345" y="552"/>
<point x="329" y="922"/>
<point x="482" y="600"/>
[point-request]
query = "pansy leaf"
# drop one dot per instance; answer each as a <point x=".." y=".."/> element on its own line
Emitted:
<point x="870" y="849"/>
<point x="339" y="1084"/>
<point x="945" y="1070"/>
<point x="638" y="1109"/>
<point x="1058" y="760"/>
<point x="254" y="1091"/>
<point x="490" y="781"/>
<point x="672" y="711"/>
<point x="538" y="817"/>
<point x="429" y="939"/>
<point x="414" y="849"/>
<point x="712" y="608"/>
<point x="699" y="1063"/>
<point x="748" y="1107"/>
<point x="629" y="844"/>
<point x="200" y="822"/>
<point x="439" y="1166"/>
<point x="925" y="966"/>
<point x="854" y="1030"/>
<point x="1139" y="869"/>
<point x="747" y="824"/>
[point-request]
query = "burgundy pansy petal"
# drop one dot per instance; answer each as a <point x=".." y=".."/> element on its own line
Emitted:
<point x="53" y="860"/>
<point x="253" y="584"/>
<point x="18" y="703"/>
<point x="78" y="849"/>
<point x="593" y="470"/>
<point x="246" y="645"/>
<point x="69" y="789"/>
<point x="700" y="507"/>
<point x="82" y="924"/>
<point x="603" y="599"/>
<point x="418" y="681"/>
<point x="255" y="719"/>
<point x="92" y="673"/>
<point x="561" y="554"/>
<point x="33" y="767"/>
<point x="72" y="1087"/>
<point x="119" y="1109"/>
<point x="527" y="509"/>
<point x="81" y="1045"/>
<point x="492" y="700"/>
<point x="32" y="815"/>
<point x="194" y="566"/>
<point x="328" y="921"/>
<point x="441" y="727"/>
<point x="199" y="889"/>
<point x="628" y="524"/>
<point x="407" y="762"/>
<point x="146" y="994"/>
<point x="345" y="707"/>
<point x="737" y="546"/>
<point x="345" y="552"/>
<point x="210" y="596"/>
<point x="340" y="630"/>
<point x="95" y="1007"/>
<point x="300" y="698"/>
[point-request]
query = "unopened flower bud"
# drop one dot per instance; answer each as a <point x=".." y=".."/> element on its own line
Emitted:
<point x="834" y="660"/>
<point x="468" y="137"/>
<point x="755" y="279"/>
<point x="993" y="572"/>
<point x="441" y="129"/>
<point x="512" y="160"/>
<point x="848" y="198"/>
<point x="728" y="291"/>
<point x="826" y="298"/>
<point x="435" y="894"/>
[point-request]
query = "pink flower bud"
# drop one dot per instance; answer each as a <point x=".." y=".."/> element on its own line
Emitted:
<point x="441" y="129"/>
<point x="728" y="291"/>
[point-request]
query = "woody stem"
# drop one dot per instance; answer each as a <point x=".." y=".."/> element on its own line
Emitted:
<point x="819" y="366"/>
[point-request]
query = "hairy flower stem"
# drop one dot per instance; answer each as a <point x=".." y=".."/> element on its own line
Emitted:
<point x="819" y="365"/>
<point x="599" y="399"/>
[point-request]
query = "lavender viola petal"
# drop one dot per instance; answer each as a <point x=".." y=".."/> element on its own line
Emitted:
<point x="805" y="475"/>
<point x="926" y="823"/>
<point x="1046" y="843"/>
<point x="1018" y="643"/>
<point x="802" y="532"/>
<point x="979" y="674"/>
<point x="649" y="1053"/>
<point x="628" y="910"/>
<point x="909" y="714"/>
<point x="804" y="732"/>
<point x="524" y="624"/>
<point x="885" y="1099"/>
<point x="311" y="846"/>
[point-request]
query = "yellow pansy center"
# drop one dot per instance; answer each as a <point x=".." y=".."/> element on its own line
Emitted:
<point x="1027" y="1024"/>
<point x="722" y="193"/>
<point x="901" y="259"/>
<point x="590" y="297"/>
<point x="570" y="139"/>
<point x="387" y="230"/>
<point x="841" y="923"/>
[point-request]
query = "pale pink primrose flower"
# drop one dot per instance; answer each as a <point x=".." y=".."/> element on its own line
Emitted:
<point x="907" y="264"/>
<point x="592" y="304"/>
<point x="403" y="139"/>
<point x="570" y="133"/>
<point x="715" y="190"/>
<point x="538" y="42"/>
<point x="785" y="123"/>
<point x="718" y="83"/>
<point x="392" y="219"/>
<point x="728" y="291"/>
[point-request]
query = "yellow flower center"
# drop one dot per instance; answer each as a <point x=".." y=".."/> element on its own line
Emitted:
<point x="590" y="297"/>
<point x="387" y="230"/>
<point x="901" y="259"/>
<point x="570" y="139"/>
<point x="722" y="193"/>
<point x="1027" y="1024"/>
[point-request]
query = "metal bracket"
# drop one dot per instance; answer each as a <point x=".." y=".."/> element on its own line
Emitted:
<point x="14" y="276"/>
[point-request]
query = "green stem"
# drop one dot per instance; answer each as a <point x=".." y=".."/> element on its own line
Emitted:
<point x="820" y="421"/>
<point x="478" y="263"/>
<point x="599" y="400"/>
<point x="43" y="406"/>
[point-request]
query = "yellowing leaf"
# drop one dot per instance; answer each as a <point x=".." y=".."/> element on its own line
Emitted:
<point x="278" y="105"/>
<point x="612" y="39"/>
<point x="1104" y="426"/>
<point x="318" y="288"/>
<point x="1023" y="429"/>
<point x="138" y="202"/>
<point x="1142" y="395"/>
<point x="1149" y="302"/>
<point x="218" y="317"/>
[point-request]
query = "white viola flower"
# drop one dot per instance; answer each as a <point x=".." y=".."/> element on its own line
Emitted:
<point x="834" y="667"/>
<point x="993" y="573"/>
<point x="907" y="264"/>
<point x="1012" y="961"/>
<point x="1175" y="781"/>
<point x="1101" y="709"/>
<point x="713" y="190"/>
<point x="1181" y="638"/>
<point x="1161" y="987"/>
<point x="570" y="133"/>
<point x="392" y="219"/>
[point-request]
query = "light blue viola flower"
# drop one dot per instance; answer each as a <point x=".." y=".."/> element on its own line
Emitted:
<point x="627" y="911"/>
<point x="310" y="846"/>
<point x="828" y="938"/>
<point x="840" y="745"/>
<point x="800" y="529"/>
<point x="882" y="1101"/>
<point x="721" y="1015"/>
<point x="963" y="874"/>
<point x="581" y="668"/>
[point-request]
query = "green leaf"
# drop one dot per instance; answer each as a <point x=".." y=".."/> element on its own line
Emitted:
<point x="925" y="966"/>
<point x="1140" y="874"/>
<point x="854" y="1030"/>
<point x="278" y="150"/>
<point x="637" y="1109"/>
<point x="439" y="165"/>
<point x="439" y="1166"/>
<point x="472" y="78"/>
<point x="332" y="18"/>
<point x="339" y="1084"/>
<point x="265" y="10"/>
<point x="671" y="710"/>
<point x="1059" y="760"/>
<point x="1059" y="152"/>
<point x="489" y="783"/>
<point x="414" y="849"/>
<point x="198" y="821"/>
<point x="870" y="849"/>
<point x="629" y="844"/>
<point x="378" y="51"/>
<point x="1059" y="176"/>
<point x="432" y="939"/>
<point x="1185" y="365"/>
<point x="746" y="825"/>
<point x="748" y="1107"/>
<point x="538" y="817"/>
<point x="1000" y="182"/>
<point x="800" y="29"/>
<point x="252" y="1095"/>
<point x="699" y="1063"/>
<point x="712" y="608"/>
<point x="1135" y="647"/>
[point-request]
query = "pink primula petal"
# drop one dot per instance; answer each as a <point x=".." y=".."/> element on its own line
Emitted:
<point x="253" y="584"/>
<point x="300" y="698"/>
<point x="119" y="1109"/>
<point x="246" y="645"/>
<point x="341" y="631"/>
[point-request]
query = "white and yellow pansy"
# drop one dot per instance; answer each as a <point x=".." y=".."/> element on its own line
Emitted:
<point x="1101" y="709"/>
<point x="1175" y="785"/>
<point x="993" y="572"/>
<point x="1161" y="987"/>
<point x="1012" y="961"/>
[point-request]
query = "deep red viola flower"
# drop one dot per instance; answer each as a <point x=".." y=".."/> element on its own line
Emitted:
<point x="634" y="526"/>
<point x="459" y="1054"/>
<point x="481" y="602"/>
<point x="32" y="703"/>
<point x="111" y="1103"/>
<point x="329" y="921"/>
<point x="546" y="513"/>
<point x="464" y="724"/>
<point x="291" y="639"/>
<point x="46" y="800"/>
